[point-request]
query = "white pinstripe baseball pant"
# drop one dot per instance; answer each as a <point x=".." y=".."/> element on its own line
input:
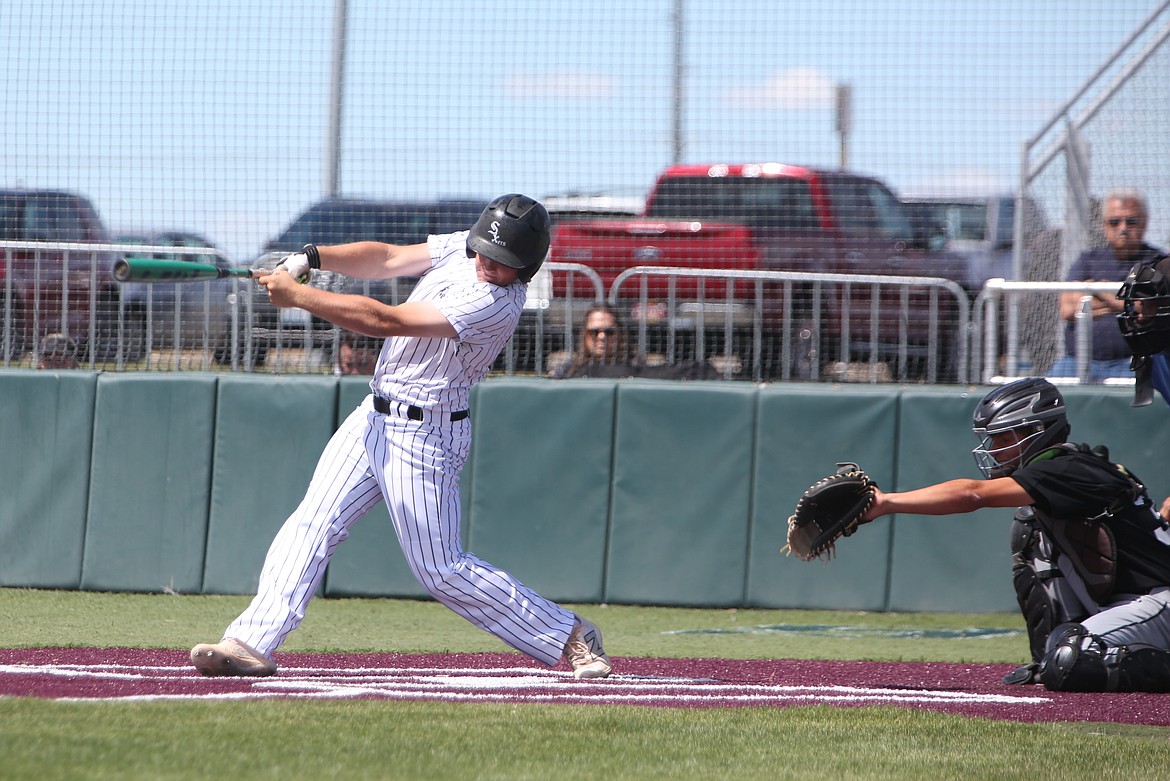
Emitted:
<point x="415" y="466"/>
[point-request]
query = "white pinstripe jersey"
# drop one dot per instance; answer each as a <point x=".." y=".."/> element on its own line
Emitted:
<point x="439" y="373"/>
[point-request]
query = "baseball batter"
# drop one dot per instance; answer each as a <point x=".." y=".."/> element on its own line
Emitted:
<point x="1090" y="554"/>
<point x="407" y="442"/>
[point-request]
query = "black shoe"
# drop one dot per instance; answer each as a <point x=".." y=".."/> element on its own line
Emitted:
<point x="1028" y="673"/>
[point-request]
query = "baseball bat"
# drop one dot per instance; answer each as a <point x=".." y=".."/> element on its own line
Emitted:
<point x="149" y="270"/>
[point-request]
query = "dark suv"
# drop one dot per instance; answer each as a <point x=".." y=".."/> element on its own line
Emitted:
<point x="55" y="289"/>
<point x="342" y="220"/>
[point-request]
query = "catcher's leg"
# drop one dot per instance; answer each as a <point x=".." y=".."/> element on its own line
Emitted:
<point x="1044" y="596"/>
<point x="1081" y="662"/>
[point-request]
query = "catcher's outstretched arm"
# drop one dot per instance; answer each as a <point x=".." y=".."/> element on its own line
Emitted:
<point x="954" y="496"/>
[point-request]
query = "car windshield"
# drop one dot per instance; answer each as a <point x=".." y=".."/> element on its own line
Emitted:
<point x="764" y="202"/>
<point x="40" y="217"/>
<point x="454" y="216"/>
<point x="338" y="223"/>
<point x="958" y="220"/>
<point x="866" y="208"/>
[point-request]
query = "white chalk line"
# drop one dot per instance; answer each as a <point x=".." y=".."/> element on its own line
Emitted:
<point x="516" y="684"/>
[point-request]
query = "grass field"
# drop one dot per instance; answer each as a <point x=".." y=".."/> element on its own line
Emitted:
<point x="381" y="739"/>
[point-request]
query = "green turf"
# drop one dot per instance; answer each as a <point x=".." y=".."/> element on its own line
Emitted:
<point x="404" y="740"/>
<point x="417" y="741"/>
<point x="66" y="618"/>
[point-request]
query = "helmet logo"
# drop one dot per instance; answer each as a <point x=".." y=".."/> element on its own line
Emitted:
<point x="495" y="231"/>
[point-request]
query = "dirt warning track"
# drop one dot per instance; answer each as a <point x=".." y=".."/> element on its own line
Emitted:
<point x="975" y="690"/>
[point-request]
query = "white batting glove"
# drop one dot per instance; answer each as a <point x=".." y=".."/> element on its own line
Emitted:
<point x="297" y="266"/>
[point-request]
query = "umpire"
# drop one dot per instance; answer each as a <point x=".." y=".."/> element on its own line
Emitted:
<point x="1090" y="553"/>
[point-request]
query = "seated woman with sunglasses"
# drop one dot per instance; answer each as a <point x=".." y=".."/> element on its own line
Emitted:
<point x="1124" y="219"/>
<point x="602" y="351"/>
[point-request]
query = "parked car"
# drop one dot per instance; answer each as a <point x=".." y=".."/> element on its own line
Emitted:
<point x="979" y="230"/>
<point x="342" y="220"/>
<point x="55" y="289"/>
<point x="771" y="217"/>
<point x="187" y="315"/>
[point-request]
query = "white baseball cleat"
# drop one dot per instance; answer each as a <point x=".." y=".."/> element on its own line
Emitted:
<point x="231" y="657"/>
<point x="584" y="651"/>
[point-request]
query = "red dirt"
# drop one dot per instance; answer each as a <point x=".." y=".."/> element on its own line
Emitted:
<point x="970" y="689"/>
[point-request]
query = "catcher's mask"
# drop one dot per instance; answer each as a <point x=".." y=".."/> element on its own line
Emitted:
<point x="1145" y="320"/>
<point x="513" y="230"/>
<point x="1034" y="409"/>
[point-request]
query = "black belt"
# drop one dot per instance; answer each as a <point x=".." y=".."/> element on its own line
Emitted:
<point x="411" y="411"/>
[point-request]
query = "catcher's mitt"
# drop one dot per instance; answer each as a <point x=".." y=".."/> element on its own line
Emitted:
<point x="831" y="508"/>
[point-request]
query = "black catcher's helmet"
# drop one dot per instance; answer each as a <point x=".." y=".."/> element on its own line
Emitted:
<point x="1034" y="408"/>
<point x="1145" y="321"/>
<point x="513" y="230"/>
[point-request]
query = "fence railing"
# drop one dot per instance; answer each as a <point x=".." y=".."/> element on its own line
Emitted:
<point x="798" y="325"/>
<point x="997" y="319"/>
<point x="749" y="325"/>
<point x="67" y="288"/>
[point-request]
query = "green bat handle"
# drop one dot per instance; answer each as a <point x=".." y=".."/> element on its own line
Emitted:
<point x="148" y="270"/>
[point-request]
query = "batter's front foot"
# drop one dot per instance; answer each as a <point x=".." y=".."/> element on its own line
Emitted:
<point x="584" y="651"/>
<point x="231" y="657"/>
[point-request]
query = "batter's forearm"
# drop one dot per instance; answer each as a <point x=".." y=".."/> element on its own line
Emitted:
<point x="369" y="317"/>
<point x="375" y="259"/>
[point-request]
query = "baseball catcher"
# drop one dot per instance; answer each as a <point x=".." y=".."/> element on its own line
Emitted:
<point x="831" y="508"/>
<point x="1090" y="550"/>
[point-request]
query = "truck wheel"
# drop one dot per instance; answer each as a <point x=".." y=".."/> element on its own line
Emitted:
<point x="805" y="355"/>
<point x="15" y="341"/>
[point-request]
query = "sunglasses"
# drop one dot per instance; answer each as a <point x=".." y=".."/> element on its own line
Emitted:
<point x="610" y="331"/>
<point x="1113" y="222"/>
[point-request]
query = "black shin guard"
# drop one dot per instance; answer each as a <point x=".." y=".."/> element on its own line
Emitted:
<point x="1142" y="670"/>
<point x="1036" y="605"/>
<point x="1079" y="662"/>
<point x="1074" y="661"/>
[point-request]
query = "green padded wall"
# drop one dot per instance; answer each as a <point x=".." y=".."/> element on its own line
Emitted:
<point x="541" y="503"/>
<point x="150" y="482"/>
<point x="1138" y="437"/>
<point x="802" y="432"/>
<point x="46" y="438"/>
<point x="682" y="480"/>
<point x="643" y="492"/>
<point x="268" y="435"/>
<point x="948" y="563"/>
<point x="370" y="562"/>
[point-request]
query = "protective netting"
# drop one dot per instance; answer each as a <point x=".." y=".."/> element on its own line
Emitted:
<point x="216" y="124"/>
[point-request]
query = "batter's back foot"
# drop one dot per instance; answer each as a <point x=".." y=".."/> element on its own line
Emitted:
<point x="231" y="657"/>
<point x="584" y="651"/>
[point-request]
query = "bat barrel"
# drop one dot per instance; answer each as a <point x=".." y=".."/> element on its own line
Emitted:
<point x="151" y="270"/>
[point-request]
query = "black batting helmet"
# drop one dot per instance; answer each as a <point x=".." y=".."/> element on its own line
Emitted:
<point x="1033" y="407"/>
<point x="513" y="230"/>
<point x="1145" y="320"/>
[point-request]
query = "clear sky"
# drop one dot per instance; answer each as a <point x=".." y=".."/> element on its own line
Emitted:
<point x="212" y="116"/>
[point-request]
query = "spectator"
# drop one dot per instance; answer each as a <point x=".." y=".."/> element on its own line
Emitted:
<point x="356" y="354"/>
<point x="1090" y="552"/>
<point x="58" y="351"/>
<point x="602" y="351"/>
<point x="1124" y="219"/>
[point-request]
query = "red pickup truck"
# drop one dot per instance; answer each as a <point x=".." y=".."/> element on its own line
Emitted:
<point x="773" y="217"/>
